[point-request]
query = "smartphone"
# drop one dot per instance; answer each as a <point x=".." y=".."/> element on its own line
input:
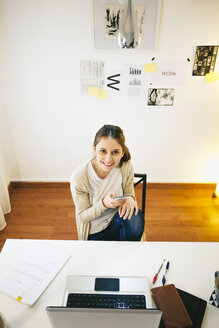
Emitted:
<point x="121" y="197"/>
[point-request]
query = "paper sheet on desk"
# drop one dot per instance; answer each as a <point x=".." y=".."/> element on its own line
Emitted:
<point x="33" y="272"/>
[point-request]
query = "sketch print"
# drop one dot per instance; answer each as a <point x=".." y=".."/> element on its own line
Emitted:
<point x="160" y="97"/>
<point x="92" y="74"/>
<point x="134" y="79"/>
<point x="112" y="19"/>
<point x="113" y="14"/>
<point x="205" y="59"/>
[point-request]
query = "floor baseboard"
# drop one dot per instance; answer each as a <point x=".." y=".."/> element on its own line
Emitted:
<point x="150" y="185"/>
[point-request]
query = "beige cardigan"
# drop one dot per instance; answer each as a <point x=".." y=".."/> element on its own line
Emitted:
<point x="85" y="211"/>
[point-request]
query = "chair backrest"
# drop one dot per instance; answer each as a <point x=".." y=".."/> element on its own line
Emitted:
<point x="143" y="179"/>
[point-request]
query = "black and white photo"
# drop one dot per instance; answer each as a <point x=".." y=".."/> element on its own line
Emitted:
<point x="160" y="97"/>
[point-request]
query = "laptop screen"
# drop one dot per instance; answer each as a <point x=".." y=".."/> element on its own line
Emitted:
<point x="103" y="318"/>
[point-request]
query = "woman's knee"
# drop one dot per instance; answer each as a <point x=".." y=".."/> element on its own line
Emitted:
<point x="138" y="220"/>
<point x="134" y="228"/>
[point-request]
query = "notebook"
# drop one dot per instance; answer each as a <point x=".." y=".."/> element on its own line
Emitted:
<point x="194" y="306"/>
<point x="93" y="317"/>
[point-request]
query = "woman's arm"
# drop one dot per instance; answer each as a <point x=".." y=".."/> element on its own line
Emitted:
<point x="130" y="205"/>
<point x="81" y="194"/>
<point x="128" y="179"/>
<point x="86" y="212"/>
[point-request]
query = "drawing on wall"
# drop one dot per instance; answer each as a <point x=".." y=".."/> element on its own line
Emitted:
<point x="92" y="74"/>
<point x="113" y="14"/>
<point x="160" y="97"/>
<point x="205" y="59"/>
<point x="113" y="80"/>
<point x="108" y="17"/>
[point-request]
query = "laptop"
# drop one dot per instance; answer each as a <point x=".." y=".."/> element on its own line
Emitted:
<point x="103" y="318"/>
<point x="99" y="302"/>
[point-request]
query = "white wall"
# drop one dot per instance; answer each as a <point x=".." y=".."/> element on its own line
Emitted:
<point x="8" y="160"/>
<point x="51" y="124"/>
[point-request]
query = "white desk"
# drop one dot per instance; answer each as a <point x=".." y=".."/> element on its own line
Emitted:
<point x="192" y="268"/>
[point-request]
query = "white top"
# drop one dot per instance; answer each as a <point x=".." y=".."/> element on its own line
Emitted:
<point x="192" y="268"/>
<point x="100" y="187"/>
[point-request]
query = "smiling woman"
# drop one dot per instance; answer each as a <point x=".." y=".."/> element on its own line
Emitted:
<point x="108" y="156"/>
<point x="95" y="185"/>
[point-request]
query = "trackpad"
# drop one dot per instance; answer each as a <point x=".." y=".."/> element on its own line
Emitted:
<point x="107" y="284"/>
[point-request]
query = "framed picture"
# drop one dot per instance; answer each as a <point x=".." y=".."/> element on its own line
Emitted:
<point x="107" y="18"/>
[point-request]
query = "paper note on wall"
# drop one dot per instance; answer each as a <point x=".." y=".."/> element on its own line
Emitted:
<point x="93" y="91"/>
<point x="150" y="67"/>
<point x="103" y="94"/>
<point x="212" y="77"/>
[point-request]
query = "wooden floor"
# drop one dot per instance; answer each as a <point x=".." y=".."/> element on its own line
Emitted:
<point x="173" y="213"/>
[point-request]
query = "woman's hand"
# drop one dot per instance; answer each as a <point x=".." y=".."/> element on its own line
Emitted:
<point x="110" y="202"/>
<point x="126" y="209"/>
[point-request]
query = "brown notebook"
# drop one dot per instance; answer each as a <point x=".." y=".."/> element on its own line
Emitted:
<point x="170" y="303"/>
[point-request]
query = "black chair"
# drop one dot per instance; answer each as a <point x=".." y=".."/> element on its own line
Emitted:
<point x="143" y="179"/>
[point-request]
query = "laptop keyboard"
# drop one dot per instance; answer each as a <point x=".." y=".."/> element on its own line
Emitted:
<point x="113" y="301"/>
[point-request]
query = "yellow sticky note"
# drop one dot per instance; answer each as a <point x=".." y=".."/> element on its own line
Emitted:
<point x="93" y="91"/>
<point x="212" y="77"/>
<point x="150" y="67"/>
<point x="19" y="298"/>
<point x="103" y="94"/>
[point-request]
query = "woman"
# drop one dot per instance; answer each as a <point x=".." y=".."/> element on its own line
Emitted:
<point x="96" y="184"/>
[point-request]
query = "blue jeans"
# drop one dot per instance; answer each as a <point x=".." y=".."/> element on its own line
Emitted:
<point x="124" y="230"/>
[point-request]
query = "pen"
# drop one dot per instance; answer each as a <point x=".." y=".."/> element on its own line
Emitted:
<point x="164" y="276"/>
<point x="156" y="275"/>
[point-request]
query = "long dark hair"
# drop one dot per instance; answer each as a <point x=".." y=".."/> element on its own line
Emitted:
<point x="116" y="133"/>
